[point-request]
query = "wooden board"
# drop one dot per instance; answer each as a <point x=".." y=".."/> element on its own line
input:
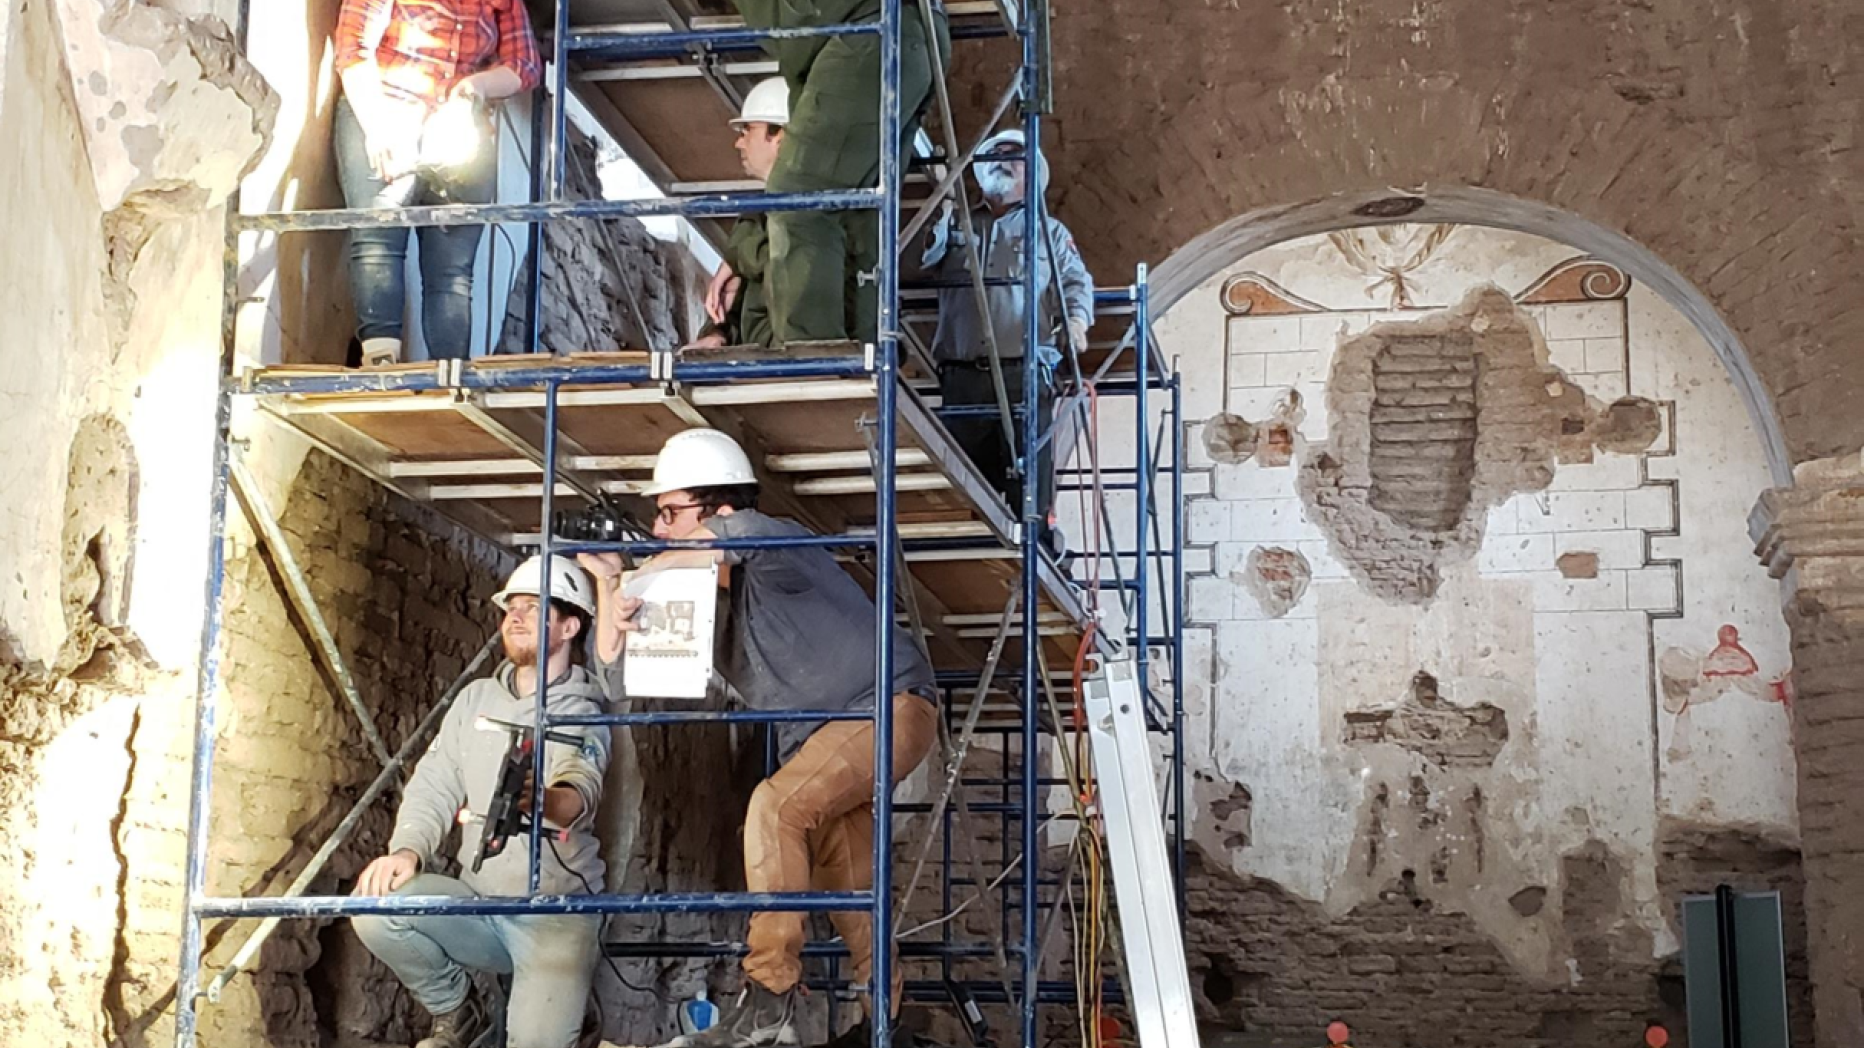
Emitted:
<point x="474" y="456"/>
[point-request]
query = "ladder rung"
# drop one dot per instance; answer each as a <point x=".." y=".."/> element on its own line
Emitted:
<point x="667" y="717"/>
<point x="425" y="905"/>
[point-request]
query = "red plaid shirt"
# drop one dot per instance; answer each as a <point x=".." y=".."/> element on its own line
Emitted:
<point x="422" y="48"/>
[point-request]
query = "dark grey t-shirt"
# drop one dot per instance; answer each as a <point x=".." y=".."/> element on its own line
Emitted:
<point x="801" y="632"/>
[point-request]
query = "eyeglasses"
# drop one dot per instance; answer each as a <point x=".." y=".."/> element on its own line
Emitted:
<point x="671" y="511"/>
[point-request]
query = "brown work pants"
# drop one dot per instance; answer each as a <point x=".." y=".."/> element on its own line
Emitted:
<point x="810" y="827"/>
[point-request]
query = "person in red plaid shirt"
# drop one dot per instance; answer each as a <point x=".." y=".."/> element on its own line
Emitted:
<point x="421" y="80"/>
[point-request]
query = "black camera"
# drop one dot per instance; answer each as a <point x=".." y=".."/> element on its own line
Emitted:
<point x="596" y="523"/>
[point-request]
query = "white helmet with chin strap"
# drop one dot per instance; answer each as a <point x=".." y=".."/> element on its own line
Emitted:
<point x="700" y="458"/>
<point x="767" y="103"/>
<point x="568" y="583"/>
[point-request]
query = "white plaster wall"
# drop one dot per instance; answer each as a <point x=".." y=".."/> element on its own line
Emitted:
<point x="64" y="362"/>
<point x="47" y="199"/>
<point x="1591" y="753"/>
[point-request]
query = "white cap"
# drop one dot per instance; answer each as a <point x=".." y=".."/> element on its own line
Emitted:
<point x="568" y="583"/>
<point x="700" y="458"/>
<point x="767" y="103"/>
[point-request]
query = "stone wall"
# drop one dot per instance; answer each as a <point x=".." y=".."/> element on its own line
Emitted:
<point x="408" y="598"/>
<point x="1643" y="117"/>
<point x="608" y="284"/>
<point x="110" y="369"/>
<point x="1808" y="535"/>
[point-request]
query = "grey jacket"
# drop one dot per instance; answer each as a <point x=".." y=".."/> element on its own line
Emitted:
<point x="1000" y="247"/>
<point x="460" y="769"/>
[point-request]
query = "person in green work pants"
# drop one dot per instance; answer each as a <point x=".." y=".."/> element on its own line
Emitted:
<point x="735" y="303"/>
<point x="819" y="280"/>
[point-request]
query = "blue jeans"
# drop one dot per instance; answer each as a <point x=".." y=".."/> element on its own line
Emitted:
<point x="550" y="957"/>
<point x="378" y="257"/>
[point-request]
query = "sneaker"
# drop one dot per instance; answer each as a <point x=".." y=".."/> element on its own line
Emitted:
<point x="380" y="352"/>
<point x="459" y="1028"/>
<point x="757" y="1018"/>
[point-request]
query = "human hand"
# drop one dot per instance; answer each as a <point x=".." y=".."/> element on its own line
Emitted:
<point x="393" y="152"/>
<point x="384" y="875"/>
<point x="1077" y="334"/>
<point x="605" y="568"/>
<point x="626" y="608"/>
<point x="467" y="88"/>
<point x="720" y="292"/>
<point x="713" y="341"/>
<point x="525" y="791"/>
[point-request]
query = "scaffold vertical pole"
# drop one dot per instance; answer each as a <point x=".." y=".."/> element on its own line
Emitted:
<point x="1031" y="513"/>
<point x="534" y="274"/>
<point x="559" y="100"/>
<point x="1179" y="831"/>
<point x="886" y="536"/>
<point x="540" y="631"/>
<point x="207" y="680"/>
<point x="1142" y="483"/>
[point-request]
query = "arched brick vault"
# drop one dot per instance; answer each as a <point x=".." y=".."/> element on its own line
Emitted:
<point x="1718" y="134"/>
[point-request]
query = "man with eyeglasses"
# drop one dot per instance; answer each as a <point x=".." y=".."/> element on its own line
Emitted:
<point x="801" y="636"/>
<point x="961" y="347"/>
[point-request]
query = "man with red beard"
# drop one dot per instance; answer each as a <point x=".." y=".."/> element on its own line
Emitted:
<point x="550" y="957"/>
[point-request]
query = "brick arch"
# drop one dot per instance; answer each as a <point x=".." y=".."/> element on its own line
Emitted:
<point x="1720" y="134"/>
<point x="1229" y="242"/>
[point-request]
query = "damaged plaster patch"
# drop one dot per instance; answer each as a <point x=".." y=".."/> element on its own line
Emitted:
<point x="1229" y="439"/>
<point x="1443" y="733"/>
<point x="1595" y="898"/>
<point x="1528" y="901"/>
<point x="184" y="115"/>
<point x="1433" y="422"/>
<point x="1228" y="805"/>
<point x="1578" y="564"/>
<point x="174" y="116"/>
<point x="1627" y="426"/>
<point x="1278" y="439"/>
<point x="1277" y="578"/>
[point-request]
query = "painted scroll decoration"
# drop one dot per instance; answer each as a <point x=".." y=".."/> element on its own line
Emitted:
<point x="1581" y="279"/>
<point x="1254" y="295"/>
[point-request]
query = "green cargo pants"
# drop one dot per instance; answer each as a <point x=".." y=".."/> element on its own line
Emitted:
<point x="748" y="251"/>
<point x="819" y="283"/>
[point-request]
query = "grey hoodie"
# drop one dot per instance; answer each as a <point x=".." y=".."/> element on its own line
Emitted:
<point x="461" y="769"/>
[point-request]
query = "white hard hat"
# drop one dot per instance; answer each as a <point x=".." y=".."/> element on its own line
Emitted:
<point x="767" y="103"/>
<point x="568" y="583"/>
<point x="700" y="458"/>
<point x="1015" y="135"/>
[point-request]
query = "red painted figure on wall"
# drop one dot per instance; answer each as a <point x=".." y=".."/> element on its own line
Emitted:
<point x="1688" y="680"/>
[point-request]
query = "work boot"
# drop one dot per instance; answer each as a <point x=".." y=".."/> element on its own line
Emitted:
<point x="459" y="1028"/>
<point x="755" y="1019"/>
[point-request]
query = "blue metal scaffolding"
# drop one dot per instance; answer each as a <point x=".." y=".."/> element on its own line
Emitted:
<point x="1149" y="602"/>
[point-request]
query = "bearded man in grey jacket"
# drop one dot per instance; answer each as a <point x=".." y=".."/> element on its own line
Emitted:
<point x="550" y="957"/>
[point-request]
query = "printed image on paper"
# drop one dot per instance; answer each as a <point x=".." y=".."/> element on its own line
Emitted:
<point x="670" y="656"/>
